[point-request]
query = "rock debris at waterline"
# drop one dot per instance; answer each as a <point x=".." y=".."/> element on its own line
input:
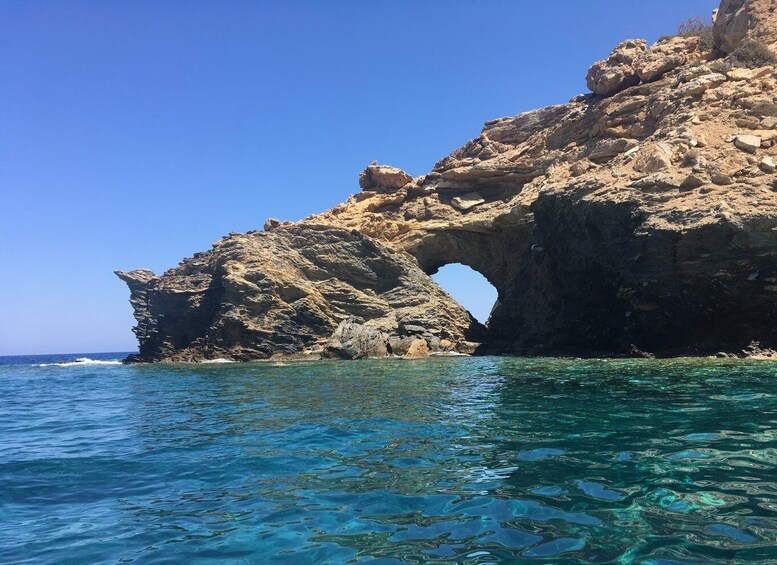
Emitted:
<point x="642" y="217"/>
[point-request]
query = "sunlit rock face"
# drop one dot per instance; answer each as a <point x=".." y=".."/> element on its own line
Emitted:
<point x="294" y="291"/>
<point x="644" y="216"/>
<point x="737" y="21"/>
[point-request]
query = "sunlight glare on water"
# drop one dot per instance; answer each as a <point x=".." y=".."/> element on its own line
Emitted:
<point x="465" y="460"/>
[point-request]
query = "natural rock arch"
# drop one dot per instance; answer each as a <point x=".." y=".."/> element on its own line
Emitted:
<point x="469" y="288"/>
<point x="642" y="215"/>
<point x="296" y="290"/>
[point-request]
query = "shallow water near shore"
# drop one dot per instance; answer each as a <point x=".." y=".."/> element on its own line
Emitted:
<point x="440" y="460"/>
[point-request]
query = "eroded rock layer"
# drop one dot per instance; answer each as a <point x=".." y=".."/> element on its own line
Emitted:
<point x="642" y="217"/>
<point x="295" y="290"/>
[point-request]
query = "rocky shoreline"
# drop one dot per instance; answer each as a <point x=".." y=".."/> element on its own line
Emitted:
<point x="638" y="219"/>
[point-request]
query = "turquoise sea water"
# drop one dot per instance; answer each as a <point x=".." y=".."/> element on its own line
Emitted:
<point x="446" y="460"/>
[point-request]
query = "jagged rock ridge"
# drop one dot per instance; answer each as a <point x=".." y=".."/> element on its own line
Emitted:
<point x="641" y="218"/>
<point x="297" y="290"/>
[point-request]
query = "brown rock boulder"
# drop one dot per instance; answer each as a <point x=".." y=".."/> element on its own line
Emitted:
<point x="738" y="20"/>
<point x="665" y="56"/>
<point x="615" y="73"/>
<point x="654" y="158"/>
<point x="354" y="340"/>
<point x="418" y="348"/>
<point x="382" y="178"/>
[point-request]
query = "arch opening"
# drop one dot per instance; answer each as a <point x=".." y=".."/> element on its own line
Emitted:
<point x="469" y="288"/>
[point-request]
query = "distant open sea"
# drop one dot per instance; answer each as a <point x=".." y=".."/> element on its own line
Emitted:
<point x="440" y="460"/>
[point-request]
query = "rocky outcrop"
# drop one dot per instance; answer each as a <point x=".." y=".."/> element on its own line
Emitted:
<point x="640" y="218"/>
<point x="383" y="178"/>
<point x="294" y="290"/>
<point x="739" y="20"/>
<point x="666" y="55"/>
<point x="617" y="72"/>
<point x="631" y="63"/>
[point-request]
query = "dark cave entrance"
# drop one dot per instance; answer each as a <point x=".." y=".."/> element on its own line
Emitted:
<point x="469" y="288"/>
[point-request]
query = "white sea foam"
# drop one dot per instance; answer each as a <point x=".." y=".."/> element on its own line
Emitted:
<point x="80" y="362"/>
<point x="219" y="360"/>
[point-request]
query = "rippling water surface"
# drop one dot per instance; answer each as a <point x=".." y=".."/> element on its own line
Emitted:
<point x="465" y="460"/>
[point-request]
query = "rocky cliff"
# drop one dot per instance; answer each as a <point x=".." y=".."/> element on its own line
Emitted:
<point x="300" y="290"/>
<point x="641" y="216"/>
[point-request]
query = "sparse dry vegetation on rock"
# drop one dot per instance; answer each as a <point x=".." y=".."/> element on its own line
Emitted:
<point x="752" y="55"/>
<point x="697" y="27"/>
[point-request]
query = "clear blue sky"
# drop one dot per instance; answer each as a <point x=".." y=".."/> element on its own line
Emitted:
<point x="133" y="134"/>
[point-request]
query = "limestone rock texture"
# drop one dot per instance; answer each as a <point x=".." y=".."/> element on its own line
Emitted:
<point x="642" y="217"/>
<point x="617" y="71"/>
<point x="294" y="291"/>
<point x="664" y="56"/>
<point x="739" y="20"/>
<point x="383" y="178"/>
